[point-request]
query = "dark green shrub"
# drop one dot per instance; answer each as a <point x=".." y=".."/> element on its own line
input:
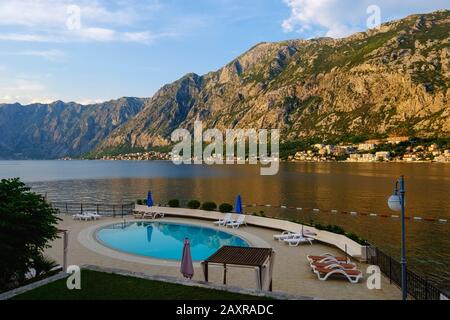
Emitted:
<point x="28" y="224"/>
<point x="357" y="239"/>
<point x="225" y="208"/>
<point x="174" y="203"/>
<point x="193" y="204"/>
<point x="339" y="230"/>
<point x="209" y="206"/>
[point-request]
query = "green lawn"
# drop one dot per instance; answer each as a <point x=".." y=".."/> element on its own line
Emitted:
<point x="104" y="286"/>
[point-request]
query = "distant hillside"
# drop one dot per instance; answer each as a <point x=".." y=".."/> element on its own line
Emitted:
<point x="45" y="131"/>
<point x="391" y="81"/>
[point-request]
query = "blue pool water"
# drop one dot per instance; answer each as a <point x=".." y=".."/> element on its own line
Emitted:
<point x="164" y="240"/>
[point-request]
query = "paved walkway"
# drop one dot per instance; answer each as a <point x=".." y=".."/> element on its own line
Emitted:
<point x="292" y="274"/>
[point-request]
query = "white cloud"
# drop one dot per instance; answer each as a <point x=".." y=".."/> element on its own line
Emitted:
<point x="52" y="55"/>
<point x="339" y="18"/>
<point x="50" y="20"/>
<point x="23" y="90"/>
<point x="138" y="36"/>
<point x="90" y="101"/>
<point x="22" y="37"/>
<point x="32" y="13"/>
<point x="89" y="34"/>
<point x="54" y="13"/>
<point x="95" y="34"/>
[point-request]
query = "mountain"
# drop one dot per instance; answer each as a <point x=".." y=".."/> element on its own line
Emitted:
<point x="390" y="81"/>
<point x="42" y="131"/>
<point x="394" y="80"/>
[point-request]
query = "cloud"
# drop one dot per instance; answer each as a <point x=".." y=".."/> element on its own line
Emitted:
<point x="95" y="34"/>
<point x="51" y="55"/>
<point x="89" y="35"/>
<point x="81" y="20"/>
<point x="90" y="101"/>
<point x="24" y="90"/>
<point x="54" y="13"/>
<point x="144" y="37"/>
<point x="28" y="37"/>
<point x="340" y="18"/>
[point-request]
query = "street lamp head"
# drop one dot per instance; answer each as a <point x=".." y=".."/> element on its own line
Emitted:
<point x="395" y="202"/>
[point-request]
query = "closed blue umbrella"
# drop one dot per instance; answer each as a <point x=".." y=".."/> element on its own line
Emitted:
<point x="149" y="199"/>
<point x="238" y="206"/>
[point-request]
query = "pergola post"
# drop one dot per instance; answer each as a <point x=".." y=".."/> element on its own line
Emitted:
<point x="205" y="270"/>
<point x="66" y="245"/>
<point x="224" y="274"/>
<point x="260" y="278"/>
<point x="271" y="264"/>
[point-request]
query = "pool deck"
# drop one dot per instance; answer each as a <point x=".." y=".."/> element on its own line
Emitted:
<point x="291" y="274"/>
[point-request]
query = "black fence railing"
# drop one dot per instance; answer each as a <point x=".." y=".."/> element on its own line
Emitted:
<point x="418" y="287"/>
<point x="104" y="209"/>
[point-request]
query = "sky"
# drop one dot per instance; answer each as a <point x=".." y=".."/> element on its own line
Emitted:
<point x="96" y="50"/>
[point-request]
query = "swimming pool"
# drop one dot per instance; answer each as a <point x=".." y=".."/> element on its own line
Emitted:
<point x="164" y="240"/>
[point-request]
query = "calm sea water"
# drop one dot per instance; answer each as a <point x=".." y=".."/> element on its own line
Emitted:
<point x="342" y="186"/>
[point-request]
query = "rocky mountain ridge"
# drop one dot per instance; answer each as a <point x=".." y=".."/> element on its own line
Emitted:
<point x="394" y="80"/>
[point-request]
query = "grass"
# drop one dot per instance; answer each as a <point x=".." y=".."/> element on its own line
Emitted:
<point x="103" y="286"/>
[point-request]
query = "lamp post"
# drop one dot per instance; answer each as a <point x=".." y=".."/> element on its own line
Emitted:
<point x="397" y="203"/>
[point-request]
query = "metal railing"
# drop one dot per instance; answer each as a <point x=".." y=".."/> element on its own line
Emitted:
<point x="418" y="287"/>
<point x="104" y="209"/>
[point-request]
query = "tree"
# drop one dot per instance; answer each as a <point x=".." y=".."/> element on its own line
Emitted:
<point x="27" y="224"/>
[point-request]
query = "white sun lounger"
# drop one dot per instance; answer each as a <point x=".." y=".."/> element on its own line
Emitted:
<point x="332" y="265"/>
<point x="284" y="235"/>
<point x="296" y="241"/>
<point x="352" y="275"/>
<point x="159" y="215"/>
<point x="151" y="215"/>
<point x="326" y="257"/>
<point x="224" y="221"/>
<point x="83" y="216"/>
<point x="236" y="224"/>
<point x="289" y="235"/>
<point x="94" y="216"/>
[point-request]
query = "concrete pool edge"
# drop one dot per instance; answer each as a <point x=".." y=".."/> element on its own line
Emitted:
<point x="87" y="238"/>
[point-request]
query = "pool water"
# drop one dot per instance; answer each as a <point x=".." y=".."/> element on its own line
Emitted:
<point x="163" y="240"/>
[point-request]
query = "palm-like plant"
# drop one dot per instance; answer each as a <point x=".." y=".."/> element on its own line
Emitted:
<point x="43" y="264"/>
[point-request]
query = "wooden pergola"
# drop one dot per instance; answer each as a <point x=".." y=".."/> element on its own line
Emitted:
<point x="246" y="257"/>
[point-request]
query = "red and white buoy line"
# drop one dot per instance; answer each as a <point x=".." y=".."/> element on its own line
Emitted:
<point x="351" y="213"/>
